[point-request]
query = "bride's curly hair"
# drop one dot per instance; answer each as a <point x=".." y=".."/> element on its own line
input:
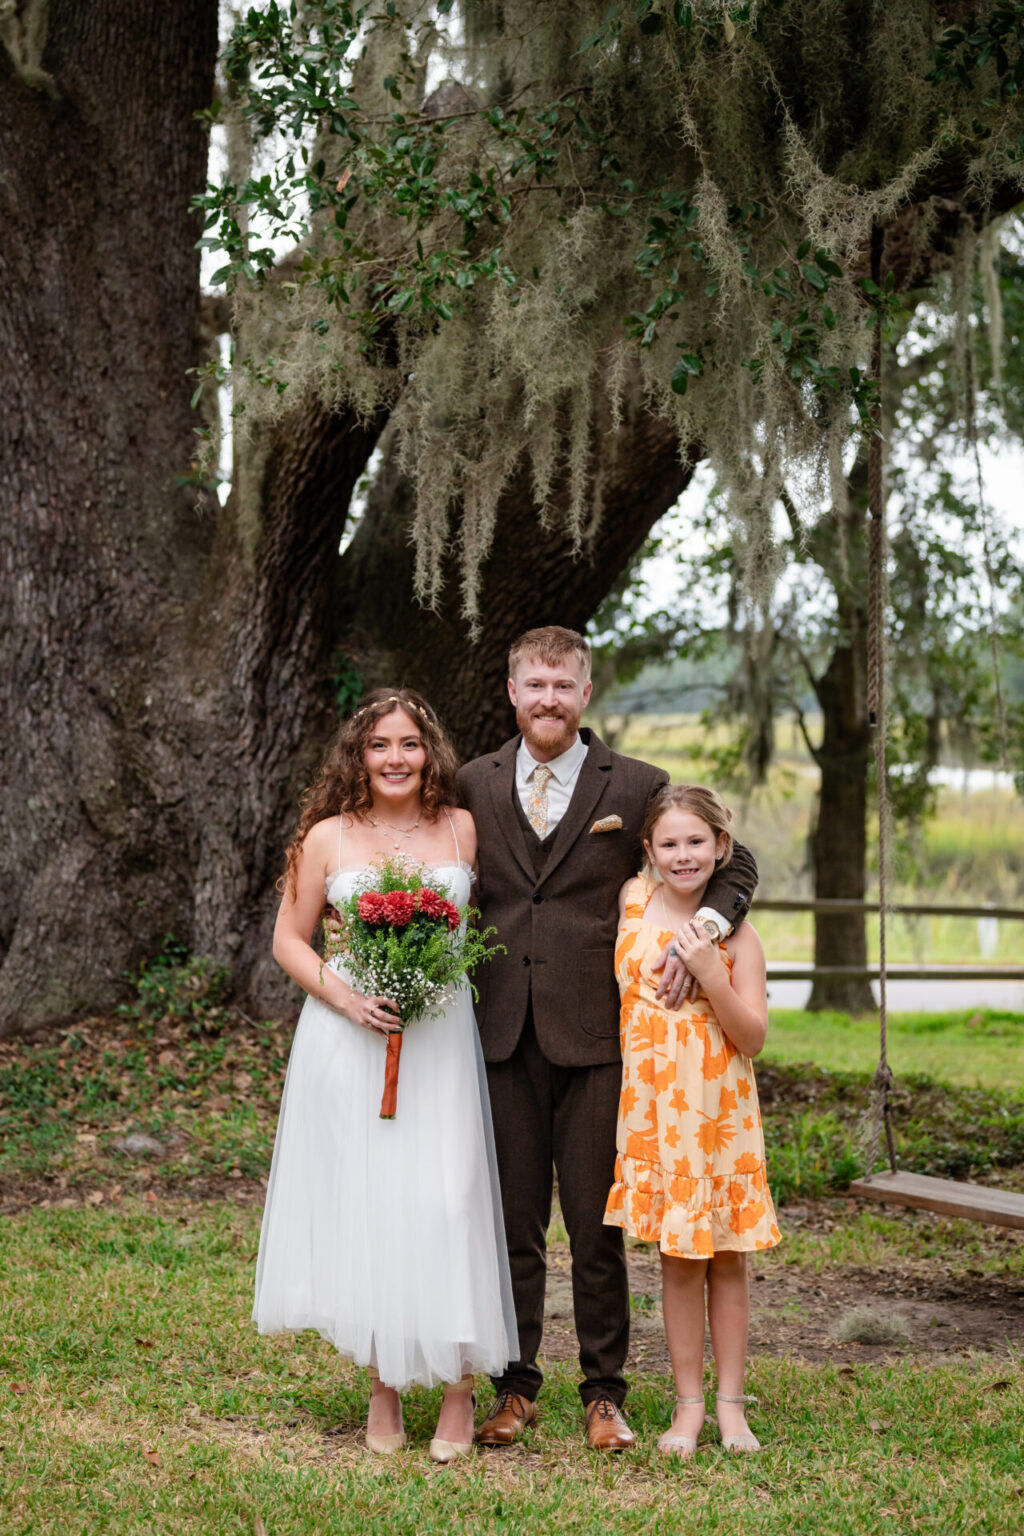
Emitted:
<point x="343" y="784"/>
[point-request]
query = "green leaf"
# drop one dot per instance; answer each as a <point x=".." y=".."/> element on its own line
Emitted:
<point x="690" y="366"/>
<point x="812" y="275"/>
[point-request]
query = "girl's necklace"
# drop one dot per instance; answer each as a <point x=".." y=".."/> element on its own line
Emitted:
<point x="664" y="913"/>
<point x="403" y="832"/>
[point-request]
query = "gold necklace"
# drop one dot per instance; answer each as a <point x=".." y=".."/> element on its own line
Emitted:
<point x="406" y="832"/>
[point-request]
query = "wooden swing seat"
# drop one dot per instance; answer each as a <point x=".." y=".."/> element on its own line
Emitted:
<point x="973" y="1202"/>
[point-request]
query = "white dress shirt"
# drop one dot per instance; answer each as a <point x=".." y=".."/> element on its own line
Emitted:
<point x="565" y="770"/>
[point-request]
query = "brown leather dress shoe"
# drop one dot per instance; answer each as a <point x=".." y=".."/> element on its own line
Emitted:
<point x="607" y="1430"/>
<point x="507" y="1420"/>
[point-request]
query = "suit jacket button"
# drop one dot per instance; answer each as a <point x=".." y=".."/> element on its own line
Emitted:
<point x="537" y="898"/>
<point x="526" y="959"/>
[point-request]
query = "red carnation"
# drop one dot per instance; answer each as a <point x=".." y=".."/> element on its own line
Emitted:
<point x="371" y="907"/>
<point x="430" y="903"/>
<point x="399" y="907"/>
<point x="451" y="912"/>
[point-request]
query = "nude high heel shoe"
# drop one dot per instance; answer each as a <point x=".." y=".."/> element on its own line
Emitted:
<point x="444" y="1451"/>
<point x="384" y="1445"/>
<point x="672" y="1443"/>
<point x="738" y="1442"/>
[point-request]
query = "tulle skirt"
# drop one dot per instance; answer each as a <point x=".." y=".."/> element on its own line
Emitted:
<point x="386" y="1235"/>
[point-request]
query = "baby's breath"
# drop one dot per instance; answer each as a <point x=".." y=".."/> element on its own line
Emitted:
<point x="418" y="965"/>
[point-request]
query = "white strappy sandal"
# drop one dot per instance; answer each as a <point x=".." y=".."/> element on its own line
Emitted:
<point x="672" y="1443"/>
<point x="738" y="1442"/>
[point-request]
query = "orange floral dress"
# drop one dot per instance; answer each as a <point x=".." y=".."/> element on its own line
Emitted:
<point x="690" y="1172"/>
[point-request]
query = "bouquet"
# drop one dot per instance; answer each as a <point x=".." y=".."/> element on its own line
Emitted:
<point x="404" y="939"/>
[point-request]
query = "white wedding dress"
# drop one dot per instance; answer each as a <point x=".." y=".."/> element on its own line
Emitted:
<point x="386" y="1235"/>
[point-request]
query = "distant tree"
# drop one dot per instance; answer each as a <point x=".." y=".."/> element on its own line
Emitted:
<point x="955" y="586"/>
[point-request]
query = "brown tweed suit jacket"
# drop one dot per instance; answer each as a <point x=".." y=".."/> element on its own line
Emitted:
<point x="559" y="926"/>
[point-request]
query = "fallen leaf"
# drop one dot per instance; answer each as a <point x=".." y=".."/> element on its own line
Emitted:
<point x="19" y="1387"/>
<point x="144" y="1343"/>
<point x="258" y="1528"/>
<point x="1000" y="1386"/>
<point x="94" y="1197"/>
<point x="153" y="1457"/>
<point x="150" y="1196"/>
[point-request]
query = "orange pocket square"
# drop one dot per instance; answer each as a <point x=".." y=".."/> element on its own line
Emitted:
<point x="608" y="824"/>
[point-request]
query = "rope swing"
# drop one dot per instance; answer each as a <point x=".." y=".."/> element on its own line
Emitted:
<point x="946" y="1197"/>
<point x="880" y="1109"/>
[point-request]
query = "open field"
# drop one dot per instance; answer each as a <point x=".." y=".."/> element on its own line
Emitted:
<point x="970" y="851"/>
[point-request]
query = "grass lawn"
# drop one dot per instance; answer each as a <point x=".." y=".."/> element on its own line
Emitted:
<point x="978" y="1048"/>
<point x="137" y="1398"/>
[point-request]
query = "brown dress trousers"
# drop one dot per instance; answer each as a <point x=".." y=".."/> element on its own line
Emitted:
<point x="549" y="1025"/>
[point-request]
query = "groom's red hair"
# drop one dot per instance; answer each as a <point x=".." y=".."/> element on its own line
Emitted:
<point x="551" y="645"/>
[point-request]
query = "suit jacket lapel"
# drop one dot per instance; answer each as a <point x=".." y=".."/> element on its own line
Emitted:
<point x="594" y="778"/>
<point x="503" y="787"/>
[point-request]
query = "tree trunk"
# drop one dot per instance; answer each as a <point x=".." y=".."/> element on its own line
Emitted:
<point x="101" y="547"/>
<point x="531" y="577"/>
<point x="167" y="674"/>
<point x="838" y="842"/>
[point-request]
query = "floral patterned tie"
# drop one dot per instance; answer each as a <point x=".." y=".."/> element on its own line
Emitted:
<point x="537" y="802"/>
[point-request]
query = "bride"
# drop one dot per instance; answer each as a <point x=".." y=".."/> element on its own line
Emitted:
<point x="385" y="1235"/>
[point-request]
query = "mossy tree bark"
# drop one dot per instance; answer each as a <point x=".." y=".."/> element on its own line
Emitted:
<point x="166" y="672"/>
<point x="532" y="576"/>
<point x="161" y="666"/>
<point x="101" y="550"/>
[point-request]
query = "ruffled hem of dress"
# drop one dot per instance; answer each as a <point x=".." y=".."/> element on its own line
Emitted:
<point x="694" y="1217"/>
<point x="459" y="1360"/>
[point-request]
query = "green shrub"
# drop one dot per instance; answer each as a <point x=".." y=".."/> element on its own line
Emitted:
<point x="813" y="1156"/>
<point x="181" y="988"/>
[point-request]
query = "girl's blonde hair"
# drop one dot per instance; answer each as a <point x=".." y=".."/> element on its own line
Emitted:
<point x="701" y="802"/>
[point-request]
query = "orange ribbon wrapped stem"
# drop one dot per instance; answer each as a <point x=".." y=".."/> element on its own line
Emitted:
<point x="389" y="1102"/>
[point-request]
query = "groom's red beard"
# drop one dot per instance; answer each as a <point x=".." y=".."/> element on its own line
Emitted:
<point x="550" y="735"/>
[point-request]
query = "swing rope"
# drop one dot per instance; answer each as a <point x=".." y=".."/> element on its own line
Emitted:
<point x="879" y="1107"/>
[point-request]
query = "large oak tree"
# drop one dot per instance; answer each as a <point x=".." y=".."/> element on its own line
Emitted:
<point x="169" y="666"/>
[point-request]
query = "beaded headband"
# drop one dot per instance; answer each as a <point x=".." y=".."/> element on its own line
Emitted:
<point x="394" y="699"/>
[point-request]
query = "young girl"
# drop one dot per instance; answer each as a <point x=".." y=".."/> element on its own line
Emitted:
<point x="385" y="1235"/>
<point x="690" y="1172"/>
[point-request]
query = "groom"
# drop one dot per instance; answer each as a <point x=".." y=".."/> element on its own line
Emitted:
<point x="558" y="818"/>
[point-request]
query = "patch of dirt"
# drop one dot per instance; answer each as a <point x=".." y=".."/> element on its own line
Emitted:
<point x="60" y="1194"/>
<point x="795" y="1312"/>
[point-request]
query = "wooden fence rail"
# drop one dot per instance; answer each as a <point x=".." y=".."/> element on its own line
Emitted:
<point x="900" y="909"/>
<point x="808" y="971"/>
